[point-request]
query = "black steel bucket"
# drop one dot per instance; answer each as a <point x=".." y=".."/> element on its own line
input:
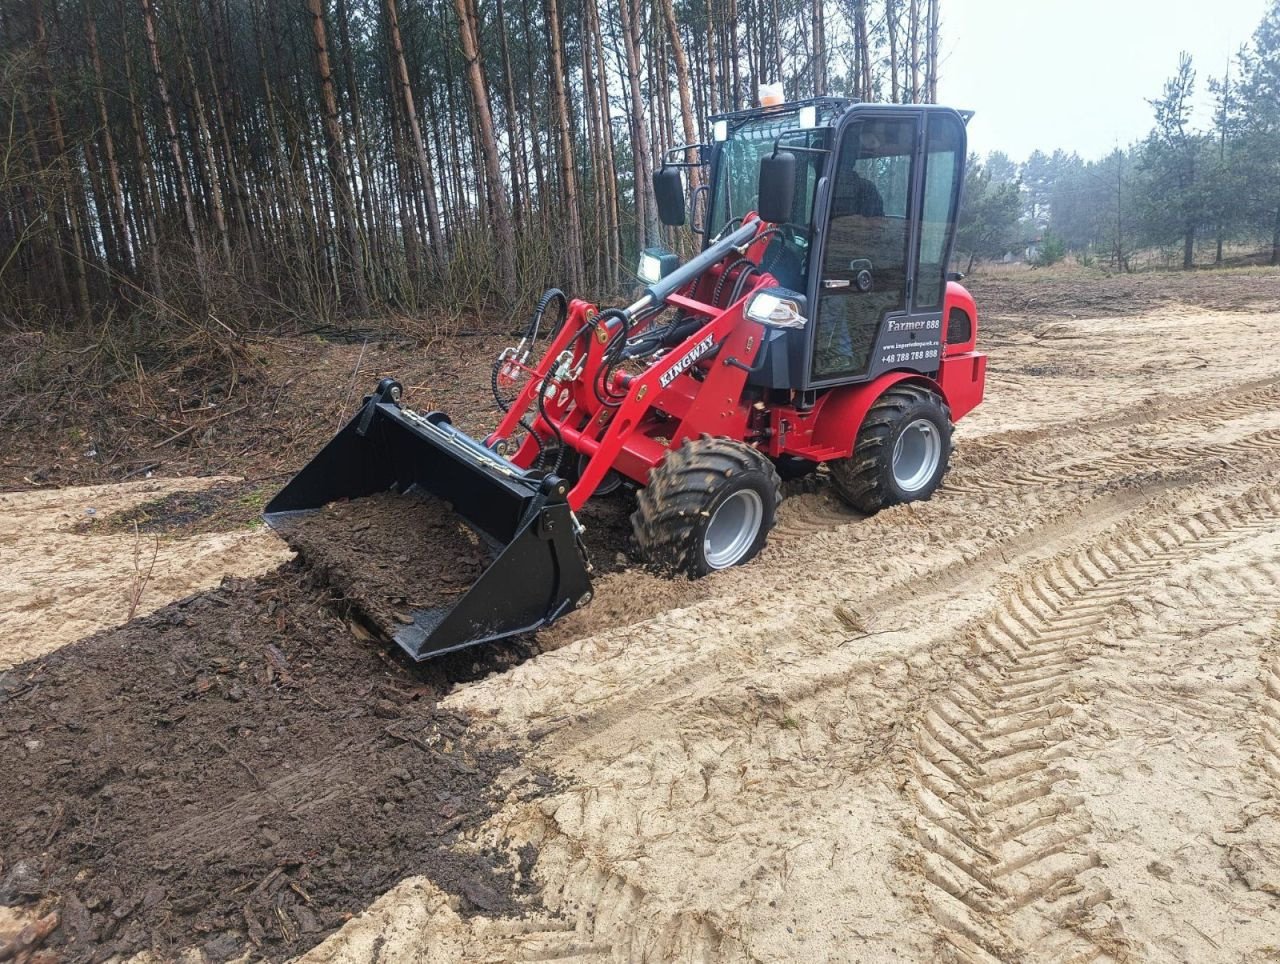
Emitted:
<point x="538" y="573"/>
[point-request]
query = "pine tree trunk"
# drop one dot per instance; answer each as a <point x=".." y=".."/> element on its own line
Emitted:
<point x="515" y="143"/>
<point x="819" y="51"/>
<point x="863" y="44"/>
<point x="366" y="187"/>
<point x="231" y="165"/>
<point x="77" y="255"/>
<point x="434" y="232"/>
<point x="504" y="236"/>
<point x="56" y="255"/>
<point x="891" y="27"/>
<point x="610" y="170"/>
<point x="932" y="43"/>
<point x="343" y="202"/>
<point x="568" y="173"/>
<point x="205" y="150"/>
<point x="175" y="147"/>
<point x="913" y="32"/>
<point x="682" y="83"/>
<point x="149" y="197"/>
<point x="646" y="208"/>
<point x="108" y="145"/>
<point x="732" y="29"/>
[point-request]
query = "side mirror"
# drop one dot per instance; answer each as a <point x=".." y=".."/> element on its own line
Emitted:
<point x="668" y="191"/>
<point x="777" y="187"/>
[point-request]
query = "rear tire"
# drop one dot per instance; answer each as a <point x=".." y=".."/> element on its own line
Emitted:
<point x="708" y="506"/>
<point x="902" y="451"/>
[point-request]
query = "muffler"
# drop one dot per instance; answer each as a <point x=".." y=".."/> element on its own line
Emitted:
<point x="521" y="519"/>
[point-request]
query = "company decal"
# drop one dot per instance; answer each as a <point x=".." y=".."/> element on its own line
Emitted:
<point x="685" y="362"/>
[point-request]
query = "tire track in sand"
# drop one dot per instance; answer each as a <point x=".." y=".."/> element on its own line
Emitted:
<point x="1227" y="401"/>
<point x="1259" y="445"/>
<point x="1003" y="847"/>
<point x="982" y="465"/>
<point x="606" y="917"/>
<point x="1270" y="727"/>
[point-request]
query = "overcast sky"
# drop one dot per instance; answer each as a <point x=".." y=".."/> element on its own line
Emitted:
<point x="1076" y="74"/>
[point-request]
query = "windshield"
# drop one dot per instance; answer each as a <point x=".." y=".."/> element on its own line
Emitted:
<point x="736" y="188"/>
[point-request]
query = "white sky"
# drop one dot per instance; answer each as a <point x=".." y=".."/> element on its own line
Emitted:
<point x="1076" y="74"/>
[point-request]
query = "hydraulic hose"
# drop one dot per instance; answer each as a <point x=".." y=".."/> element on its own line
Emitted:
<point x="613" y="355"/>
<point x="531" y="337"/>
<point x="548" y="296"/>
<point x="740" y="285"/>
<point x="724" y="278"/>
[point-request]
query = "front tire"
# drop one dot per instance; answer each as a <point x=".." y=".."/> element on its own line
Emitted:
<point x="902" y="451"/>
<point x="708" y="506"/>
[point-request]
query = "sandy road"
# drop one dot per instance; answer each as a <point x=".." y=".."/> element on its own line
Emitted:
<point x="1034" y="719"/>
<point x="57" y="586"/>
<point x="1037" y="718"/>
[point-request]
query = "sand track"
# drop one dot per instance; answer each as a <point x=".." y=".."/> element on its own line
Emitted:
<point x="1006" y="846"/>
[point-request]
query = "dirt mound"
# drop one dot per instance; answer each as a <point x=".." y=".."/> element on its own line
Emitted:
<point x="392" y="554"/>
<point x="237" y="771"/>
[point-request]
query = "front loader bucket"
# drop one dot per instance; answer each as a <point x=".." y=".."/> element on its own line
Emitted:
<point x="520" y="522"/>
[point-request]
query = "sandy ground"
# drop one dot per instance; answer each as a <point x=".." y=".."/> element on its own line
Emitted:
<point x="57" y="585"/>
<point x="1034" y="719"/>
<point x="1037" y="718"/>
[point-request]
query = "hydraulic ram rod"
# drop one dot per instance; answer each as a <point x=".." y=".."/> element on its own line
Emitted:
<point x="660" y="290"/>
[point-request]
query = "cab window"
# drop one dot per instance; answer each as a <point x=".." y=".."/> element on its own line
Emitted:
<point x="944" y="156"/>
<point x="737" y="190"/>
<point x="868" y="233"/>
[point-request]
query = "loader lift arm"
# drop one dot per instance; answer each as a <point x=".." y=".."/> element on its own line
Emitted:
<point x="625" y="422"/>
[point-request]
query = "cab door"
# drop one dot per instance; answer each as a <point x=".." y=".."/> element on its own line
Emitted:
<point x="878" y="271"/>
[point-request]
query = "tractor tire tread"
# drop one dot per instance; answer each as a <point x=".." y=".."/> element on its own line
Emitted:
<point x="681" y="490"/>
<point x="858" y="479"/>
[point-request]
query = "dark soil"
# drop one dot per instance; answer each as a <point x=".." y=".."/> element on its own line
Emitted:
<point x="393" y="554"/>
<point x="237" y="771"/>
<point x="289" y="401"/>
<point x="390" y="554"/>
<point x="608" y="536"/>
<point x="219" y="508"/>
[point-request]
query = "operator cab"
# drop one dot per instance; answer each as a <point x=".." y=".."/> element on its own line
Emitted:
<point x="865" y="226"/>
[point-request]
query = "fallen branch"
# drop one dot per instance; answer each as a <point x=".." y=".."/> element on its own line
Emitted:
<point x="139" y="579"/>
<point x="192" y="428"/>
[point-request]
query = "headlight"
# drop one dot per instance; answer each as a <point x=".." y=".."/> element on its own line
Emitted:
<point x="774" y="308"/>
<point x="656" y="264"/>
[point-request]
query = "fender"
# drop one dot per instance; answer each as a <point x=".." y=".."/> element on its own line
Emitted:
<point x="844" y="409"/>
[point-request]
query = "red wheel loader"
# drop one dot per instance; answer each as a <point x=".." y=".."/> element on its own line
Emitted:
<point x="817" y="325"/>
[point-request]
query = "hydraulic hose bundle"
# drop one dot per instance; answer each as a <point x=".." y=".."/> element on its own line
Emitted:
<point x="528" y="342"/>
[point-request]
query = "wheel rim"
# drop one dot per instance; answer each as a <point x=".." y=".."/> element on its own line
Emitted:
<point x="733" y="528"/>
<point x="916" y="455"/>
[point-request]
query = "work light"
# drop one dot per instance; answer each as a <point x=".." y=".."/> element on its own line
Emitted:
<point x="656" y="264"/>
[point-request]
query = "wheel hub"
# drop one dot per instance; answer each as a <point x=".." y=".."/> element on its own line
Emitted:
<point x="916" y="455"/>
<point x="733" y="528"/>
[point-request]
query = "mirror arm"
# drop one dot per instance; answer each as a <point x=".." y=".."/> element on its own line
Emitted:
<point x="702" y="150"/>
